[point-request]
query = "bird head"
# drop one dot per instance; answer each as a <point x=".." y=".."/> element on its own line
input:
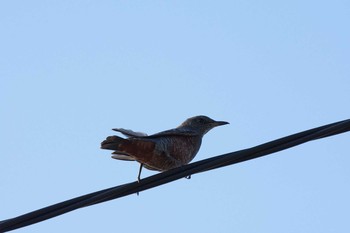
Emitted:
<point x="202" y="123"/>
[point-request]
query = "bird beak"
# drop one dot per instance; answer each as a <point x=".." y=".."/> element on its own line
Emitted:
<point x="218" y="123"/>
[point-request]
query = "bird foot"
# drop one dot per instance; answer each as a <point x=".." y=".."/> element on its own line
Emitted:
<point x="139" y="176"/>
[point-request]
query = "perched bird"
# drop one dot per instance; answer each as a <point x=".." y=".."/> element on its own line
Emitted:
<point x="161" y="151"/>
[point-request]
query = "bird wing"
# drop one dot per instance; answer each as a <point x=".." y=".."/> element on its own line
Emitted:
<point x="171" y="132"/>
<point x="130" y="133"/>
<point x="175" y="132"/>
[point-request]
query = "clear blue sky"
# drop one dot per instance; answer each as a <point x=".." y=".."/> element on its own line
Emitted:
<point x="72" y="70"/>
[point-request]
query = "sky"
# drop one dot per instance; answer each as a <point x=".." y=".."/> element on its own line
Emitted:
<point x="70" y="71"/>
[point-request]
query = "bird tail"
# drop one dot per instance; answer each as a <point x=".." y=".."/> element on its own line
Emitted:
<point x="112" y="143"/>
<point x="115" y="143"/>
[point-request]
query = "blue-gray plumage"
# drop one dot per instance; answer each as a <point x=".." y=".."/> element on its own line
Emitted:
<point x="165" y="150"/>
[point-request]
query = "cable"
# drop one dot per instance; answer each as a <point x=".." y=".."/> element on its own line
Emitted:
<point x="174" y="174"/>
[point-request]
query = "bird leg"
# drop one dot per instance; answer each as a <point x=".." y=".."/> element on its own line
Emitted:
<point x="139" y="176"/>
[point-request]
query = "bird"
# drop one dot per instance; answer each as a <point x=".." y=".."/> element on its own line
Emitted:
<point x="164" y="150"/>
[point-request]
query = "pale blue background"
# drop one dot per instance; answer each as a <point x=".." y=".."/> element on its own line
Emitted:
<point x="72" y="70"/>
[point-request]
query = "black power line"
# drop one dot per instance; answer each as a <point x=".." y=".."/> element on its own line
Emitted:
<point x="174" y="174"/>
